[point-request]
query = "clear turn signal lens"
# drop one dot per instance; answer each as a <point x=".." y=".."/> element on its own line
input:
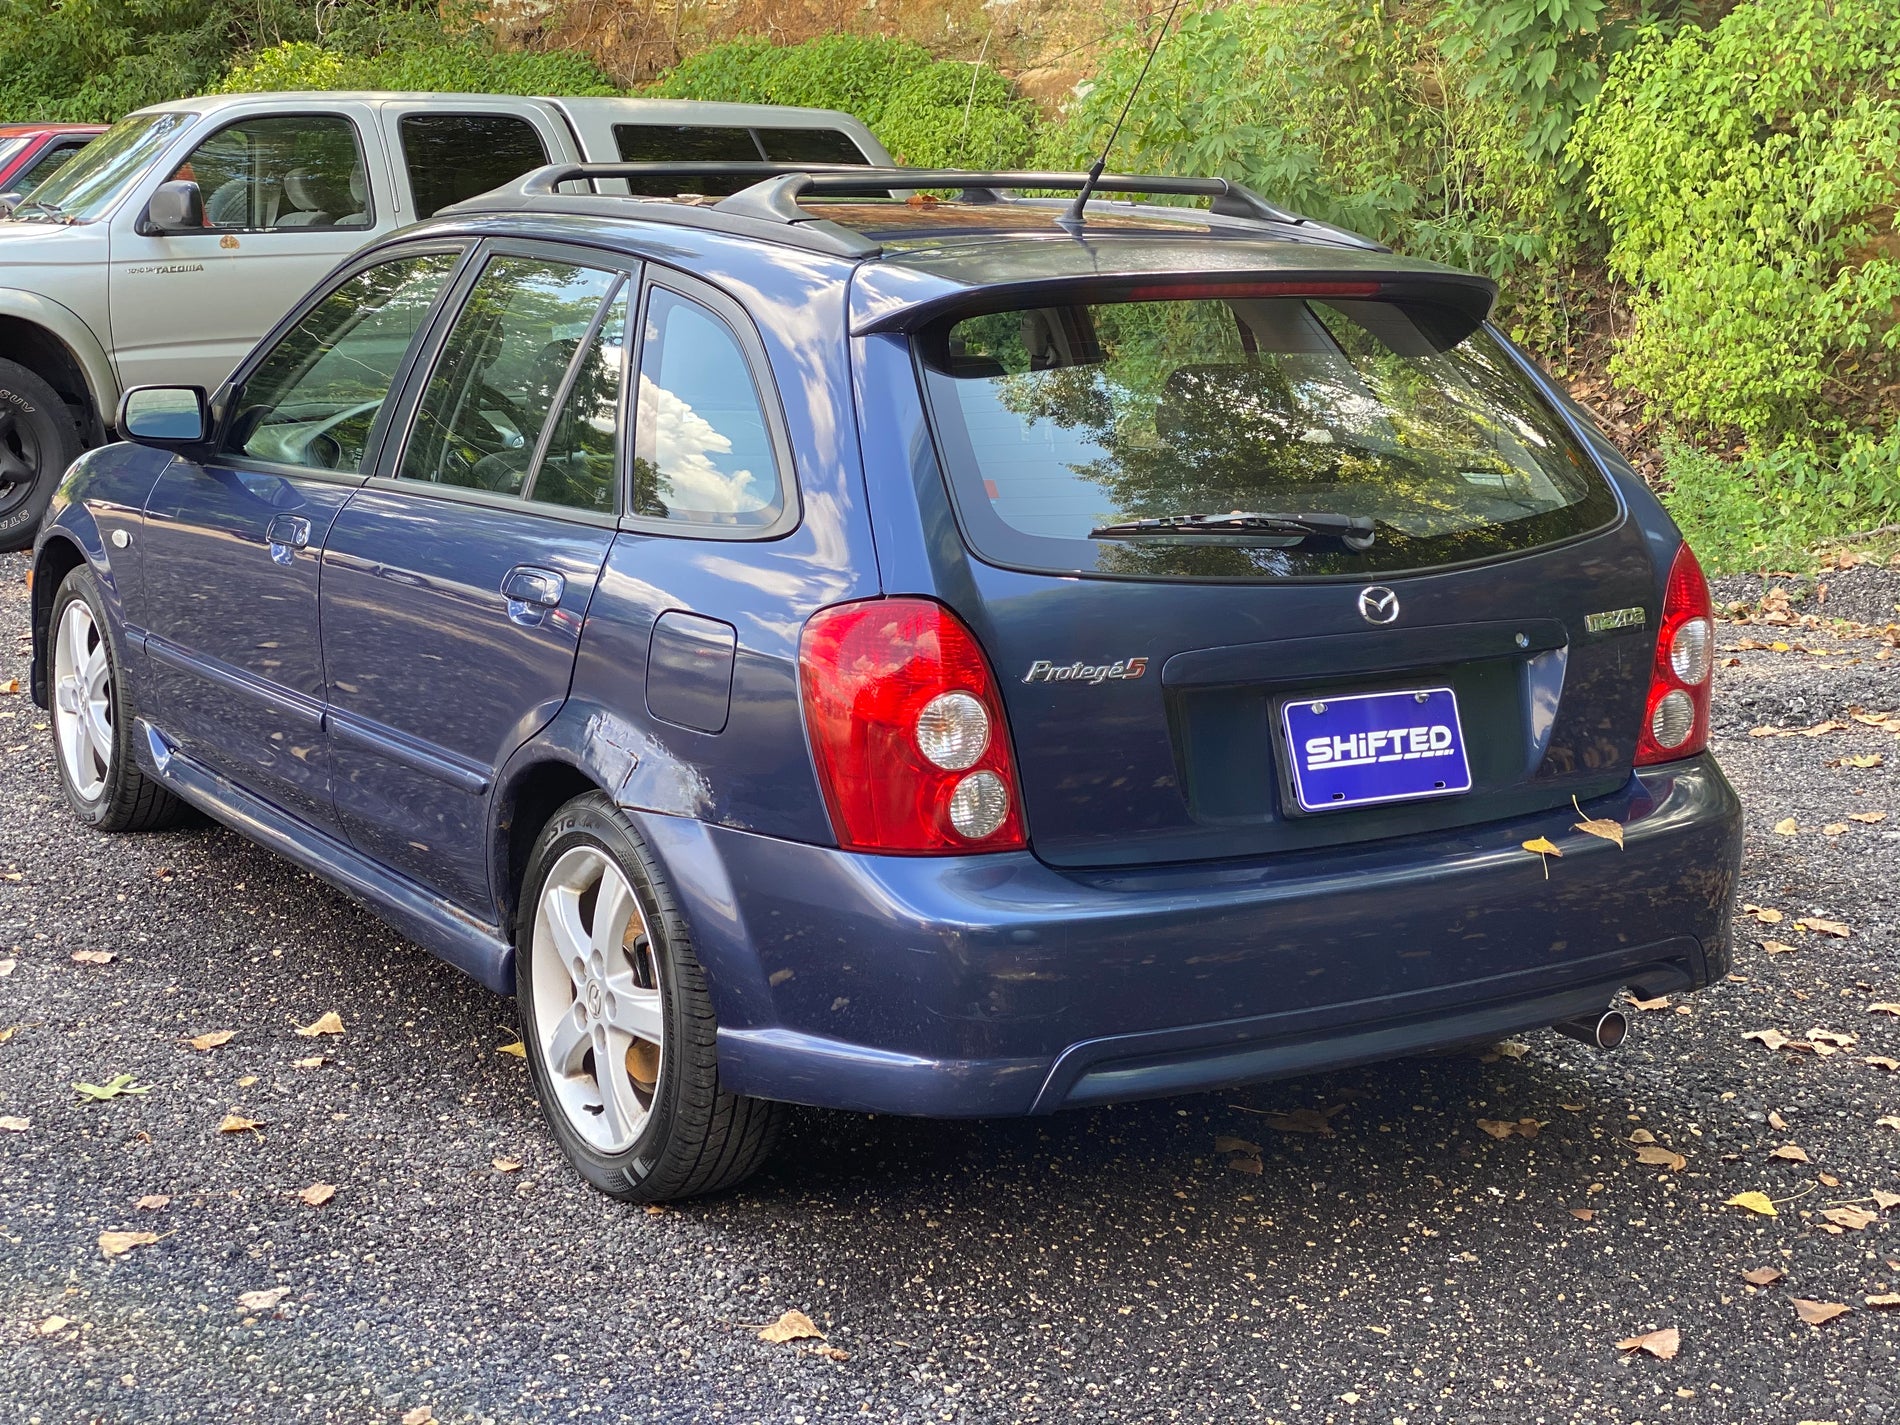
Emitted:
<point x="953" y="731"/>
<point x="1692" y="652"/>
<point x="979" y="805"/>
<point x="1673" y="720"/>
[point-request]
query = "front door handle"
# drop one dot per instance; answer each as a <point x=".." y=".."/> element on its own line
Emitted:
<point x="537" y="588"/>
<point x="286" y="535"/>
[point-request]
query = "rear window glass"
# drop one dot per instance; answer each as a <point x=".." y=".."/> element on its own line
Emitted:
<point x="809" y="146"/>
<point x="685" y="143"/>
<point x="1059" y="422"/>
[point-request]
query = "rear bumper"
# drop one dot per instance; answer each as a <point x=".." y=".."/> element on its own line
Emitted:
<point x="996" y="985"/>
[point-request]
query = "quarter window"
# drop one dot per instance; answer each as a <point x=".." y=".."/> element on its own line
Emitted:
<point x="294" y="171"/>
<point x="503" y="367"/>
<point x="314" y="398"/>
<point x="451" y="157"/>
<point x="702" y="451"/>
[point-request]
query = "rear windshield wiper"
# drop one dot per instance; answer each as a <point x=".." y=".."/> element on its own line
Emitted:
<point x="1353" y="531"/>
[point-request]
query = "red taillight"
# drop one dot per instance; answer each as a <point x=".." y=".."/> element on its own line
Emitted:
<point x="907" y="730"/>
<point x="1676" y="712"/>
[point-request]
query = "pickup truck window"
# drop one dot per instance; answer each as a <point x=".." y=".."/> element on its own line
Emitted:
<point x="293" y="171"/>
<point x="455" y="156"/>
<point x="85" y="189"/>
<point x="724" y="143"/>
<point x="44" y="165"/>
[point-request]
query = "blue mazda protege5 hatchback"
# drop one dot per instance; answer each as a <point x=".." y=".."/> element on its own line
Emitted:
<point x="973" y="656"/>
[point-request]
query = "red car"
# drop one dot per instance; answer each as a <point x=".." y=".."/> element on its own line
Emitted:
<point x="29" y="153"/>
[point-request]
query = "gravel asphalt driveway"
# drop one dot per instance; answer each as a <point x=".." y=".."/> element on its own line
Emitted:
<point x="1405" y="1266"/>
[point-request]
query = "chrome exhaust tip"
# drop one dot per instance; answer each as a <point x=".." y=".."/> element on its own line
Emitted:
<point x="1607" y="1030"/>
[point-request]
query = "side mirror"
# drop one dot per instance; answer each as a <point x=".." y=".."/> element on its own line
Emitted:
<point x="8" y="202"/>
<point x="177" y="207"/>
<point x="174" y="418"/>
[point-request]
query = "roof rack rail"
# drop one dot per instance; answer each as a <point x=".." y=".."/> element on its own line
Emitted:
<point x="774" y="197"/>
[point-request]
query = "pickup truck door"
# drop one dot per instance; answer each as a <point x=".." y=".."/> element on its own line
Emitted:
<point x="451" y="147"/>
<point x="287" y="196"/>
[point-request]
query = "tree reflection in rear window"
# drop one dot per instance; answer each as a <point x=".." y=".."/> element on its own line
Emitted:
<point x="1058" y="421"/>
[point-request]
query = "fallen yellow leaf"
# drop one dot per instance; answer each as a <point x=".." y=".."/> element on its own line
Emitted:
<point x="1225" y="1143"/>
<point x="94" y="957"/>
<point x="53" y="1325"/>
<point x="317" y="1194"/>
<point x="263" y="1300"/>
<point x="792" y="1326"/>
<point x="1869" y="817"/>
<point x="1886" y="1201"/>
<point x="1767" y="915"/>
<point x="204" y="1043"/>
<point x="1884" y="1008"/>
<point x="1889" y="1298"/>
<point x="1787" y="826"/>
<point x="1757" y="1202"/>
<point x="315" y="1061"/>
<point x="1602" y="827"/>
<point x="1777" y="947"/>
<point x="11" y="1124"/>
<point x="1825" y="927"/>
<point x="1763" y="1276"/>
<point x="329" y="1022"/>
<point x="516" y="1050"/>
<point x="506" y="1165"/>
<point x="236" y="1123"/>
<point x="1790" y="1152"/>
<point x="152" y="1202"/>
<point x="1502" y="1128"/>
<point x="421" y="1415"/>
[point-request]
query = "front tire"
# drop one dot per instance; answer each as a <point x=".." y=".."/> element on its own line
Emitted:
<point x="93" y="717"/>
<point x="616" y="1020"/>
<point x="38" y="440"/>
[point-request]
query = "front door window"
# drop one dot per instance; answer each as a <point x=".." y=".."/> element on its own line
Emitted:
<point x="313" y="400"/>
<point x="297" y="171"/>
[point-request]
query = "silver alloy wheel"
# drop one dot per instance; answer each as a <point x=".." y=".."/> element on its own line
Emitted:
<point x="82" y="701"/>
<point x="597" y="1009"/>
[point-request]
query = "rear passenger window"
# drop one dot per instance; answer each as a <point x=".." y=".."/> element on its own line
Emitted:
<point x="685" y="143"/>
<point x="455" y="156"/>
<point x="578" y="470"/>
<point x="702" y="451"/>
<point x="504" y="365"/>
<point x="289" y="171"/>
<point x="809" y="146"/>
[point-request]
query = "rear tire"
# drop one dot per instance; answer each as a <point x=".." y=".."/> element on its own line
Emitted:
<point x="38" y="440"/>
<point x="616" y="1020"/>
<point x="93" y="717"/>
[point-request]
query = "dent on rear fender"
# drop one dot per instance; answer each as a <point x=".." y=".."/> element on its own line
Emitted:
<point x="635" y="768"/>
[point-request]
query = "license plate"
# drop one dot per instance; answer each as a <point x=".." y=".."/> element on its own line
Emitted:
<point x="1376" y="747"/>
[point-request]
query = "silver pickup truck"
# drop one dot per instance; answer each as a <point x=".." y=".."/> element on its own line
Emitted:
<point x="175" y="239"/>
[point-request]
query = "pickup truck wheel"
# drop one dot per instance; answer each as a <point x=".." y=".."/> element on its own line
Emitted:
<point x="616" y="1020"/>
<point x="38" y="440"/>
<point x="93" y="718"/>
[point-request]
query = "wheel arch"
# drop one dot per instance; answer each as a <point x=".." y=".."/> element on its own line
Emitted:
<point x="538" y="782"/>
<point x="53" y="343"/>
<point x="59" y="554"/>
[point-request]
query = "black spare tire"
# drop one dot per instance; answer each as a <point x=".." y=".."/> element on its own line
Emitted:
<point x="38" y="440"/>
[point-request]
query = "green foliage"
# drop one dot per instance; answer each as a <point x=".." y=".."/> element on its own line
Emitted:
<point x="1747" y="176"/>
<point x="1766" y="509"/>
<point x="927" y="112"/>
<point x="951" y="115"/>
<point x="415" y="50"/>
<point x="98" y="59"/>
<point x="1346" y="110"/>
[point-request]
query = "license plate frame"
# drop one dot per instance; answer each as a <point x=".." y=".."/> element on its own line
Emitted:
<point x="1393" y="764"/>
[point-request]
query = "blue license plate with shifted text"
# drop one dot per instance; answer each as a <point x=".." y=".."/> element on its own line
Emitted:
<point x="1376" y="747"/>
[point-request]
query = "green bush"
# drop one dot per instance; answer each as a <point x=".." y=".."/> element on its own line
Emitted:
<point x="1345" y="110"/>
<point x="952" y="115"/>
<point x="1765" y="510"/>
<point x="927" y="112"/>
<point x="416" y="50"/>
<point x="1747" y="175"/>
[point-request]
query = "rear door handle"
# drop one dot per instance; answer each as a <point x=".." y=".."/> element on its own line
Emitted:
<point x="287" y="534"/>
<point x="541" y="588"/>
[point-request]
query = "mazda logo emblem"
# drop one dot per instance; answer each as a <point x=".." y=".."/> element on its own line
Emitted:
<point x="1378" y="604"/>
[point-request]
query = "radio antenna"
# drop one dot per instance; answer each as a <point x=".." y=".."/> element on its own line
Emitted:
<point x="1071" y="221"/>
